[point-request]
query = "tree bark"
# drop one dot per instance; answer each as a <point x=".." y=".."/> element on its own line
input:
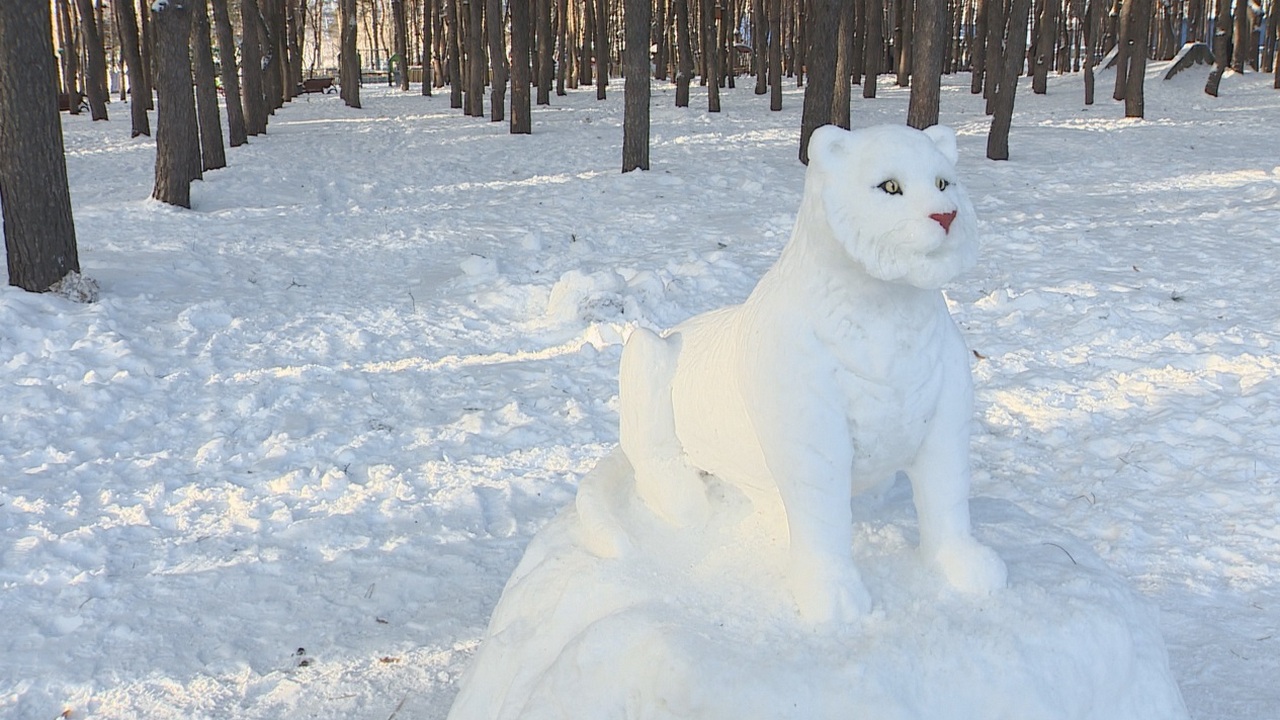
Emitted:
<point x="1045" y="41"/>
<point x="684" y="49"/>
<point x="1090" y="39"/>
<point x="127" y="24"/>
<point x="428" y="46"/>
<point x="1122" y="50"/>
<point x="1139" y="45"/>
<point x="70" y="56"/>
<point x="236" y="131"/>
<point x="1221" y="36"/>
<point x="873" y="50"/>
<point x="906" y="30"/>
<point x="842" y="87"/>
<point x="455" y="51"/>
<point x="562" y="51"/>
<point x="1242" y="45"/>
<point x="602" y="48"/>
<point x="1012" y="58"/>
<point x="521" y="72"/>
<point x="775" y="55"/>
<point x="546" y="48"/>
<point x="400" y="23"/>
<point x="39" y="234"/>
<point x="177" y="141"/>
<point x="926" y="70"/>
<point x="95" y="67"/>
<point x="710" y="33"/>
<point x="475" y="57"/>
<point x="147" y="39"/>
<point x="978" y="50"/>
<point x="818" y="95"/>
<point x="497" y="61"/>
<point x="253" y="89"/>
<point x="635" y="62"/>
<point x="213" y="155"/>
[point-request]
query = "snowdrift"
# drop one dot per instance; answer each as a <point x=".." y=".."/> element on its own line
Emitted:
<point x="700" y="626"/>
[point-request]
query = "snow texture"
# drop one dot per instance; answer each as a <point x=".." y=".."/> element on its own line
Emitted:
<point x="844" y="358"/>
<point x="327" y="408"/>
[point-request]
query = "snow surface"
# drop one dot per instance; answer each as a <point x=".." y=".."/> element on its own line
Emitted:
<point x="284" y="467"/>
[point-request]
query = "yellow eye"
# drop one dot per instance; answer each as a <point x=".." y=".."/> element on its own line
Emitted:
<point x="891" y="186"/>
<point x="943" y="184"/>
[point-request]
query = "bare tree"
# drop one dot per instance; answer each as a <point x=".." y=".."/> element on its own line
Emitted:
<point x="521" y="73"/>
<point x="236" y="132"/>
<point x="95" y="68"/>
<point x="775" y="55"/>
<point x="602" y="48"/>
<point x="177" y="143"/>
<point x="873" y="48"/>
<point x="39" y="234"/>
<point x="1221" y="51"/>
<point x="127" y="23"/>
<point x="684" y="49"/>
<point x="213" y="154"/>
<point x="70" y="56"/>
<point x="253" y="89"/>
<point x="429" y="9"/>
<point x="349" y="56"/>
<point x="401" y="27"/>
<point x="926" y="70"/>
<point x="454" y="49"/>
<point x="497" y="61"/>
<point x="545" y="49"/>
<point x="635" y="65"/>
<point x="818" y="95"/>
<point x="1012" y="57"/>
<point x="1139" y="43"/>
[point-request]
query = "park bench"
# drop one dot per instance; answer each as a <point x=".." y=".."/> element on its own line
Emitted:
<point x="316" y="85"/>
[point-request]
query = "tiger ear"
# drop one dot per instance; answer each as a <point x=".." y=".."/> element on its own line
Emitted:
<point x="945" y="138"/>
<point x="827" y="145"/>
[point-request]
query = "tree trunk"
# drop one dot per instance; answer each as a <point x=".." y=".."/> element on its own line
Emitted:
<point x="455" y="53"/>
<point x="253" y="90"/>
<point x="177" y="144"/>
<point x="70" y="57"/>
<point x="95" y="67"/>
<point x="1045" y="41"/>
<point x="236" y="131"/>
<point x="39" y="235"/>
<point x="127" y="23"/>
<point x="997" y="22"/>
<point x="978" y="50"/>
<point x="497" y="61"/>
<point x="428" y="46"/>
<point x="818" y="95"/>
<point x="1221" y="51"/>
<point x="521" y="72"/>
<point x="1122" y="49"/>
<point x="1012" y="58"/>
<point x="1139" y="45"/>
<point x="147" y="39"/>
<point x="213" y="154"/>
<point x="475" y="57"/>
<point x="1090" y="31"/>
<point x="759" y="47"/>
<point x="400" y="41"/>
<point x="635" y="66"/>
<point x="906" y="24"/>
<point x="602" y="48"/>
<point x="546" y="48"/>
<point x="684" y="48"/>
<point x="710" y="34"/>
<point x="562" y="48"/>
<point x="1242" y="44"/>
<point x="775" y="55"/>
<point x="926" y="70"/>
<point x="842" y="88"/>
<point x="873" y="49"/>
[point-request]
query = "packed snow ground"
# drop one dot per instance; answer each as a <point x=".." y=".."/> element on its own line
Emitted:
<point x="286" y="464"/>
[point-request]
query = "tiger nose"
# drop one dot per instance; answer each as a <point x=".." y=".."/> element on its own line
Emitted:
<point x="944" y="219"/>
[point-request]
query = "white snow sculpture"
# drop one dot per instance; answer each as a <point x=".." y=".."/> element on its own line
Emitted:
<point x="669" y="590"/>
<point x="842" y="368"/>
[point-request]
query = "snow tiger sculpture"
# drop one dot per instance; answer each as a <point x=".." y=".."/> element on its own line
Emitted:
<point x="841" y="368"/>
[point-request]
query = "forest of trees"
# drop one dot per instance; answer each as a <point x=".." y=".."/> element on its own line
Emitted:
<point x="258" y="52"/>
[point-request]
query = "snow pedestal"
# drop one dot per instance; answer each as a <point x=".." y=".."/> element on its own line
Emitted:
<point x="699" y="624"/>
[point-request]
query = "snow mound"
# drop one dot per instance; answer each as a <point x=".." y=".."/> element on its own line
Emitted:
<point x="702" y="627"/>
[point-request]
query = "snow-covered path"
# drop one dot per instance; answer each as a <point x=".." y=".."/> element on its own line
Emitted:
<point x="285" y="466"/>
